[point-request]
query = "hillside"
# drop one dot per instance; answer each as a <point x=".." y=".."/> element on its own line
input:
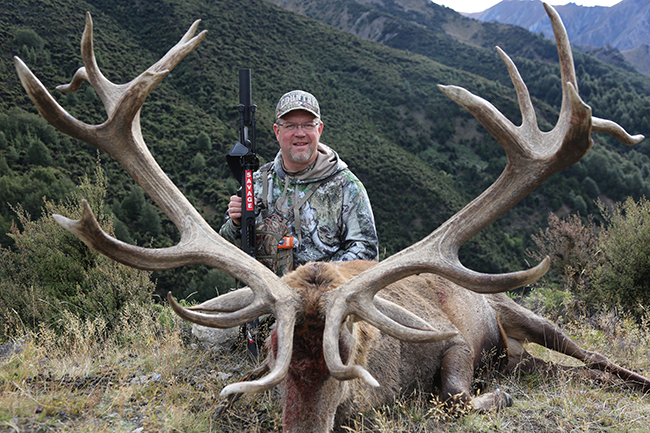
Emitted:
<point x="439" y="33"/>
<point x="420" y="156"/>
<point x="640" y="58"/>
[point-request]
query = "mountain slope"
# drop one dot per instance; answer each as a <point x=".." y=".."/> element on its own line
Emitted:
<point x="445" y="36"/>
<point x="639" y="57"/>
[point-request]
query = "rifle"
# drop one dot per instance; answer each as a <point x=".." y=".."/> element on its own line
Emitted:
<point x="243" y="161"/>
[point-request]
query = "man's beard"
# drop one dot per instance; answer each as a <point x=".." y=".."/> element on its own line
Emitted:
<point x="301" y="156"/>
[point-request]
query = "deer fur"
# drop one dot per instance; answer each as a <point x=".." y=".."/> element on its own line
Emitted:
<point x="492" y="330"/>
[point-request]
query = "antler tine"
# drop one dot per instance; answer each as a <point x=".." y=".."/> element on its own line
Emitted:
<point x="286" y="314"/>
<point x="568" y="74"/>
<point x="247" y="308"/>
<point x="391" y="318"/>
<point x="565" y="55"/>
<point x="227" y="303"/>
<point x="615" y="130"/>
<point x="525" y="103"/>
<point x="284" y="330"/>
<point x="244" y="314"/>
<point x="532" y="155"/>
<point x="109" y="92"/>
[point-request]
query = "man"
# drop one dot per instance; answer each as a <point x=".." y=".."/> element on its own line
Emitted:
<point x="323" y="204"/>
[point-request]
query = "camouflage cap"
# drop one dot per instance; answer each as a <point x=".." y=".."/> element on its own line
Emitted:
<point x="297" y="100"/>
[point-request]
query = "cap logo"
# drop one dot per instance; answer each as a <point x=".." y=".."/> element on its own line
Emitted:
<point x="297" y="100"/>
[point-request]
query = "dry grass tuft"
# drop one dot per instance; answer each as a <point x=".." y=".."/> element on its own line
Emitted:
<point x="145" y="375"/>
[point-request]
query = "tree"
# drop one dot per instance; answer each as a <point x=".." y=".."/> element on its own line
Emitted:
<point x="122" y="231"/>
<point x="591" y="187"/>
<point x="198" y="163"/>
<point x="12" y="155"/>
<point x="28" y="38"/>
<point x="149" y="222"/>
<point x="133" y="203"/>
<point x="4" y="167"/>
<point x="579" y="205"/>
<point x="38" y="153"/>
<point x="203" y="142"/>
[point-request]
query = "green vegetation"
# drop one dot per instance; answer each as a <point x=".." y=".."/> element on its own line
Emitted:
<point x="600" y="266"/>
<point x="50" y="275"/>
<point x="623" y="280"/>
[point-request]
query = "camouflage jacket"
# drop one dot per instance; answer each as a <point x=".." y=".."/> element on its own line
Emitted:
<point x="335" y="222"/>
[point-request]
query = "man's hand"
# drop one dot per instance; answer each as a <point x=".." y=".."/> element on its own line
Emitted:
<point x="234" y="209"/>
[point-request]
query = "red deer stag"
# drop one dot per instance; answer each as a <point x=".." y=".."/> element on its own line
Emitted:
<point x="417" y="319"/>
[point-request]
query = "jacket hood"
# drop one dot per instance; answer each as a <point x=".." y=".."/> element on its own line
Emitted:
<point x="327" y="163"/>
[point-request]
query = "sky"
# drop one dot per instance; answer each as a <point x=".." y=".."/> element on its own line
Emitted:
<point x="481" y="5"/>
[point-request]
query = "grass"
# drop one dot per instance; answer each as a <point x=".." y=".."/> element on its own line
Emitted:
<point x="149" y="375"/>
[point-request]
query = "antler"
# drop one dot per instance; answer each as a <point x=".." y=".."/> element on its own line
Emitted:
<point x="121" y="137"/>
<point x="533" y="156"/>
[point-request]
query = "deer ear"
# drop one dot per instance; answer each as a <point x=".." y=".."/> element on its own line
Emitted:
<point x="231" y="301"/>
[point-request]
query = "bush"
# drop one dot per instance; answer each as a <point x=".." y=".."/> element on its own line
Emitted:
<point x="50" y="274"/>
<point x="573" y="249"/>
<point x="624" y="277"/>
<point x="29" y="38"/>
<point x="601" y="266"/>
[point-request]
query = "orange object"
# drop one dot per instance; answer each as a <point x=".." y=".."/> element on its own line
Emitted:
<point x="286" y="243"/>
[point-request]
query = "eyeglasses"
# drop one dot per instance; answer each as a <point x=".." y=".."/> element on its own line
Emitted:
<point x="307" y="126"/>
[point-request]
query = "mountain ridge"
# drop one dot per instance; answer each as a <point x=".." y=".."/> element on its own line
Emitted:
<point x="624" y="26"/>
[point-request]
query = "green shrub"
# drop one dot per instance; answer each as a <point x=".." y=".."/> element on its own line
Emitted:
<point x="554" y="302"/>
<point x="29" y="38"/>
<point x="601" y="266"/>
<point x="624" y="277"/>
<point x="50" y="274"/>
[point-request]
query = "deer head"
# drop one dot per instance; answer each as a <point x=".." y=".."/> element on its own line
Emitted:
<point x="532" y="157"/>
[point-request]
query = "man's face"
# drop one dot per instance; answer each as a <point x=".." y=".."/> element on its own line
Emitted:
<point x="297" y="143"/>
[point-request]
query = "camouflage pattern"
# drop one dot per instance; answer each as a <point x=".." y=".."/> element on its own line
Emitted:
<point x="268" y="234"/>
<point x="297" y="100"/>
<point x="337" y="223"/>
